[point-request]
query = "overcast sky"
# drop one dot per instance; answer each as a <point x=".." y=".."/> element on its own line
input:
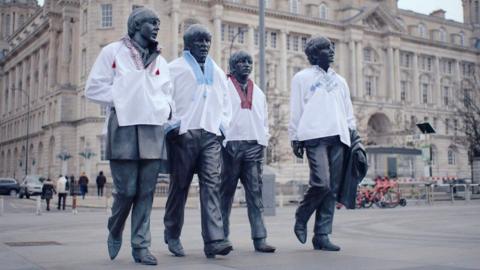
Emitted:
<point x="453" y="7"/>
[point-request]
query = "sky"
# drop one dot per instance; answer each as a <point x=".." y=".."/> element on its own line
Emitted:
<point x="453" y="7"/>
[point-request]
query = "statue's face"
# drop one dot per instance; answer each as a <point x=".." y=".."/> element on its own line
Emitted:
<point x="325" y="55"/>
<point x="243" y="67"/>
<point x="149" y="29"/>
<point x="199" y="47"/>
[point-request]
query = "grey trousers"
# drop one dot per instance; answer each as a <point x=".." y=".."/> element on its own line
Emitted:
<point x="243" y="160"/>
<point x="325" y="159"/>
<point x="196" y="151"/>
<point x="134" y="182"/>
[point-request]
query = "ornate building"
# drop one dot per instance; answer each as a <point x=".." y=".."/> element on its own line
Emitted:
<point x="402" y="67"/>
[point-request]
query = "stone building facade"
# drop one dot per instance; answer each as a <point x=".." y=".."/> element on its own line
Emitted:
<point x="402" y="67"/>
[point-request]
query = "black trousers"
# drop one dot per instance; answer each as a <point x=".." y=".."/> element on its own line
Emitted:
<point x="243" y="160"/>
<point x="134" y="182"/>
<point x="196" y="151"/>
<point x="326" y="160"/>
<point x="99" y="191"/>
<point x="62" y="197"/>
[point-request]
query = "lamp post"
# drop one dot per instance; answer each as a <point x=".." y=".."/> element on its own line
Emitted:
<point x="28" y="126"/>
<point x="87" y="153"/>
<point x="241" y="30"/>
<point x="64" y="155"/>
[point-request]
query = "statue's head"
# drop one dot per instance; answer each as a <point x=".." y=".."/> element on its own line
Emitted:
<point x="197" y="40"/>
<point x="320" y="51"/>
<point x="241" y="64"/>
<point x="145" y="22"/>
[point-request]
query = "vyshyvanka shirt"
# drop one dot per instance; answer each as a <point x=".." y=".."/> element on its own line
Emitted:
<point x="320" y="106"/>
<point x="201" y="97"/>
<point x="141" y="95"/>
<point x="249" y="120"/>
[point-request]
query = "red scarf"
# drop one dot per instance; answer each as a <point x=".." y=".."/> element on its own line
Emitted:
<point x="246" y="100"/>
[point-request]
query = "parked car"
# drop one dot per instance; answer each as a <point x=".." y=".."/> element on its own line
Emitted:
<point x="9" y="186"/>
<point x="31" y="185"/>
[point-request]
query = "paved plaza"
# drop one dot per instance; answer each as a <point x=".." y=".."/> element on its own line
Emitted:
<point x="417" y="237"/>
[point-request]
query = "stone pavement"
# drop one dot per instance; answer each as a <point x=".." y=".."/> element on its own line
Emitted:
<point x="438" y="237"/>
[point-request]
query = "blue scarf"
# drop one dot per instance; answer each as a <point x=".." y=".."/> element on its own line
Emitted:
<point x="202" y="77"/>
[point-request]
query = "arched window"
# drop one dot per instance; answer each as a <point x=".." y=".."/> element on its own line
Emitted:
<point x="422" y="30"/>
<point x="451" y="156"/>
<point x="293" y="4"/>
<point x="323" y="11"/>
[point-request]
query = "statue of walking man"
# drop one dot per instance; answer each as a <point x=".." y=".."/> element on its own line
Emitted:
<point x="132" y="79"/>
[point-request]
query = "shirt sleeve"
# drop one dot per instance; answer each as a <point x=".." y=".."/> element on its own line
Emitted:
<point x="98" y="88"/>
<point x="349" y="108"/>
<point x="296" y="108"/>
<point x="227" y="106"/>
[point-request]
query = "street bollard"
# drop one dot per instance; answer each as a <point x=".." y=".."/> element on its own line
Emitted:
<point x="38" y="212"/>
<point x="74" y="204"/>
<point x="2" y="206"/>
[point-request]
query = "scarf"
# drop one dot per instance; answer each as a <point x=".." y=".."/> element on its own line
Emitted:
<point x="201" y="77"/>
<point x="245" y="98"/>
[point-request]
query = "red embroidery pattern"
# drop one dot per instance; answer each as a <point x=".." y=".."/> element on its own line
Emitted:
<point x="137" y="59"/>
<point x="114" y="65"/>
<point x="246" y="100"/>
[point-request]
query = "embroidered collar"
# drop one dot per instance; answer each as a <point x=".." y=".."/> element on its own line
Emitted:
<point x="246" y="99"/>
<point x="326" y="80"/>
<point x="205" y="77"/>
<point x="135" y="54"/>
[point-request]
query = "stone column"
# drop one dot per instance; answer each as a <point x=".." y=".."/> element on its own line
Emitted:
<point x="174" y="29"/>
<point x="251" y="47"/>
<point x="414" y="95"/>
<point x="283" y="62"/>
<point x="436" y="91"/>
<point x="353" y="80"/>
<point x="390" y="88"/>
<point x="396" y="64"/>
<point x="52" y="70"/>
<point x="33" y="92"/>
<point x="40" y="85"/>
<point x="359" y="68"/>
<point x="342" y="56"/>
<point x="217" y="33"/>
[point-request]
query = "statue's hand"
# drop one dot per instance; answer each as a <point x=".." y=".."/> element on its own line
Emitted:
<point x="297" y="147"/>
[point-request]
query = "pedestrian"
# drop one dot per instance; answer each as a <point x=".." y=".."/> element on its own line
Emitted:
<point x="47" y="192"/>
<point x="101" y="180"/>
<point x="61" y="191"/>
<point x="83" y="183"/>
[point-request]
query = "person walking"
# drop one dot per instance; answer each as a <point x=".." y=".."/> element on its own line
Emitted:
<point x="47" y="192"/>
<point x="83" y="183"/>
<point x="61" y="191"/>
<point x="101" y="180"/>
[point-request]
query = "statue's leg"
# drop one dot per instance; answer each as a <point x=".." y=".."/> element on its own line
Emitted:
<point x="326" y="210"/>
<point x="230" y="175"/>
<point x="209" y="167"/>
<point x="124" y="174"/>
<point x="251" y="178"/>
<point x="319" y="182"/>
<point x="142" y="204"/>
<point x="182" y="155"/>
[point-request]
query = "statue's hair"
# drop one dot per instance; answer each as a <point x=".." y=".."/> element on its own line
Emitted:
<point x="237" y="56"/>
<point x="138" y="16"/>
<point x="314" y="44"/>
<point x="195" y="30"/>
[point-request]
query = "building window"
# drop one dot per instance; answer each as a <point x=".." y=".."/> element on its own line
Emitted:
<point x="257" y="37"/>
<point x="293" y="6"/>
<point x="231" y="32"/>
<point x="405" y="59"/>
<point x="136" y="6"/>
<point x="367" y="55"/>
<point x="424" y="93"/>
<point x="443" y="35"/>
<point x="447" y="125"/>
<point x="422" y="31"/>
<point x="304" y="43"/>
<point x="446" y="91"/>
<point x="323" y="11"/>
<point x="467" y="98"/>
<point x="451" y="156"/>
<point x="455" y="126"/>
<point x="462" y="39"/>
<point x="103" y="146"/>
<point x="83" y="71"/>
<point x="107" y="20"/>
<point x="84" y="21"/>
<point x="273" y="39"/>
<point x="369" y="86"/>
<point x="295" y="43"/>
<point x="403" y="90"/>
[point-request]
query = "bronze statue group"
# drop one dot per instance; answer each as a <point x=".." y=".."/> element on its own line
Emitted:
<point x="189" y="115"/>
